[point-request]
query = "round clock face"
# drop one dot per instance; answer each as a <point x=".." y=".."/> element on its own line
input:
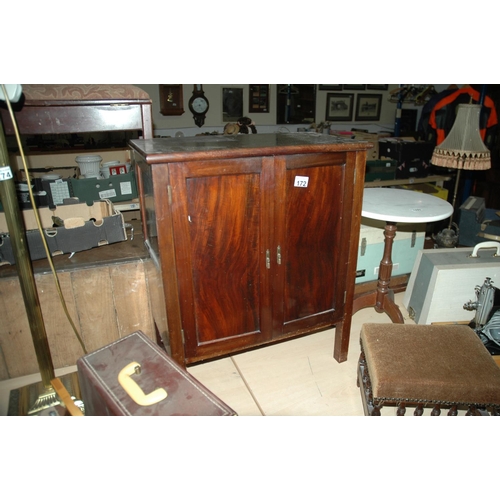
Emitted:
<point x="200" y="105"/>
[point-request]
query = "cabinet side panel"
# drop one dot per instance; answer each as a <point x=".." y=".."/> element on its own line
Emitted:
<point x="148" y="211"/>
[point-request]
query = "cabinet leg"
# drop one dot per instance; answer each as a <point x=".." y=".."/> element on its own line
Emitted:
<point x="341" y="343"/>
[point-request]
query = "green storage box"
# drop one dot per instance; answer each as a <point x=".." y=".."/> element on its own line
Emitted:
<point x="116" y="188"/>
<point x="380" y="170"/>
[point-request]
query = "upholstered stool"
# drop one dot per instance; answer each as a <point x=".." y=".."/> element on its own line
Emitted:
<point x="438" y="366"/>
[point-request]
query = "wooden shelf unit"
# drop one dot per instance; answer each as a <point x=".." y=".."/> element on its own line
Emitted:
<point x="437" y="179"/>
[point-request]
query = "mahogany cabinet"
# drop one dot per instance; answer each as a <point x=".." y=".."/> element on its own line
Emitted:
<point x="255" y="237"/>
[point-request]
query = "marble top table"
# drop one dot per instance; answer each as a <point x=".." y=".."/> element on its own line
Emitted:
<point x="393" y="206"/>
<point x="403" y="205"/>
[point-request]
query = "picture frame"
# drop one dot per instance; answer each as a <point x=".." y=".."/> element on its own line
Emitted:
<point x="377" y="87"/>
<point x="232" y="104"/>
<point x="258" y="101"/>
<point x="354" y="87"/>
<point x="171" y="99"/>
<point x="329" y="86"/>
<point x="295" y="103"/>
<point x="368" y="107"/>
<point x="339" y="107"/>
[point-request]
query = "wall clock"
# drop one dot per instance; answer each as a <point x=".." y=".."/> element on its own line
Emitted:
<point x="198" y="104"/>
<point x="171" y="100"/>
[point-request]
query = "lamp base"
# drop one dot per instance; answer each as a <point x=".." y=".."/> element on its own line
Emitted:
<point x="47" y="399"/>
<point x="35" y="399"/>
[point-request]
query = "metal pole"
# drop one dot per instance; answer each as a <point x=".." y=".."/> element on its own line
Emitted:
<point x="399" y="112"/>
<point x="17" y="233"/>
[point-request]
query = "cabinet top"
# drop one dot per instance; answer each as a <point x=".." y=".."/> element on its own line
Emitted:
<point x="232" y="146"/>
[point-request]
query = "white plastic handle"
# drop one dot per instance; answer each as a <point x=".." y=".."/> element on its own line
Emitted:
<point x="134" y="391"/>
<point x="486" y="244"/>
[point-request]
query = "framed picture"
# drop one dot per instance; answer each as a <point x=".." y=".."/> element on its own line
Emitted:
<point x="232" y="104"/>
<point x="339" y="107"/>
<point x="295" y="103"/>
<point x="354" y="87"/>
<point x="377" y="87"/>
<point x="258" y="99"/>
<point x="171" y="99"/>
<point x="329" y="86"/>
<point x="368" y="107"/>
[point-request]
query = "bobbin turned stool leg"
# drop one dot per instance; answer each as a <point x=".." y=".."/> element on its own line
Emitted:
<point x="426" y="366"/>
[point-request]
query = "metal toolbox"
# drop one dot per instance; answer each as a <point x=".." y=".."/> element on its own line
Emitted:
<point x="408" y="241"/>
<point x="477" y="223"/>
<point x="443" y="280"/>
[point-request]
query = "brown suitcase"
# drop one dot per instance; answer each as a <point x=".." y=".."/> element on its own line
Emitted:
<point x="110" y="383"/>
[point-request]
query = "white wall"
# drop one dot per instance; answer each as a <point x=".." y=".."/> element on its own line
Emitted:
<point x="265" y="122"/>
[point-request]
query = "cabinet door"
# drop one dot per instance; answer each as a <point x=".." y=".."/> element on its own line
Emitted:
<point x="221" y="213"/>
<point x="309" y="272"/>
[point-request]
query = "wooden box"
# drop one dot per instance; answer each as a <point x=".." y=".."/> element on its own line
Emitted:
<point x="109" y="292"/>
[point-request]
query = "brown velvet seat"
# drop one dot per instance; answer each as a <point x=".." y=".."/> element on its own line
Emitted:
<point x="437" y="366"/>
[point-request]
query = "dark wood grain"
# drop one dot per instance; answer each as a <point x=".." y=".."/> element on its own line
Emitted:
<point x="247" y="257"/>
<point x="312" y="237"/>
<point x="223" y="283"/>
<point x="70" y="117"/>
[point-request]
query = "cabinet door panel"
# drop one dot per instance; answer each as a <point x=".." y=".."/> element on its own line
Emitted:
<point x="309" y="241"/>
<point x="220" y="237"/>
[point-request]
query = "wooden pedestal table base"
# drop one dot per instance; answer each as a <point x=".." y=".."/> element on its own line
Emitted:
<point x="395" y="205"/>
<point x="382" y="299"/>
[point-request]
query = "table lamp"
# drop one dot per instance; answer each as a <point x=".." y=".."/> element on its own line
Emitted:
<point x="462" y="149"/>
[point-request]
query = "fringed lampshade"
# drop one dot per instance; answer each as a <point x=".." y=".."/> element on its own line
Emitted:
<point x="463" y="148"/>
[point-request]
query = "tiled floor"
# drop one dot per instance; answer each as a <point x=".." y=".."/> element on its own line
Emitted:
<point x="297" y="377"/>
